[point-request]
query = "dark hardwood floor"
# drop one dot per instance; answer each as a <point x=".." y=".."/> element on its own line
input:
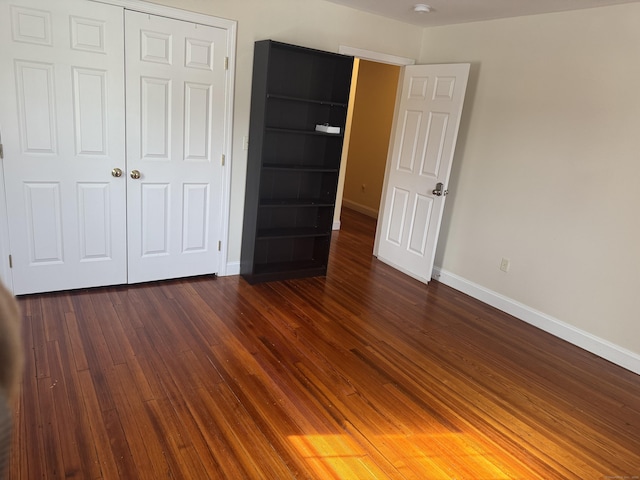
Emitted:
<point x="363" y="374"/>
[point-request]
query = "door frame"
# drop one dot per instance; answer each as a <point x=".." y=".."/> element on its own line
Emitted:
<point x="231" y="27"/>
<point x="5" y="270"/>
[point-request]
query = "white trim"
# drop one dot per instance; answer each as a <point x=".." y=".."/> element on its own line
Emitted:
<point x="231" y="268"/>
<point x="175" y="13"/>
<point x="358" y="207"/>
<point x="596" y="345"/>
<point x="231" y="26"/>
<point x="375" y="56"/>
<point x="5" y="271"/>
<point x="336" y="225"/>
<point x="225" y="208"/>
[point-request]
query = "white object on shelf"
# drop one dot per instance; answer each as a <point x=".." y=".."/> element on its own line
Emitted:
<point x="327" y="129"/>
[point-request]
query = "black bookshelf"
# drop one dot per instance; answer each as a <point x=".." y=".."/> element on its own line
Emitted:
<point x="292" y="169"/>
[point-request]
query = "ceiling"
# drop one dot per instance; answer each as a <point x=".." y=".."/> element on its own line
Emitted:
<point x="447" y="12"/>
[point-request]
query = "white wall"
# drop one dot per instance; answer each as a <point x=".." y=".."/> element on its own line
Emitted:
<point x="311" y="23"/>
<point x="547" y="170"/>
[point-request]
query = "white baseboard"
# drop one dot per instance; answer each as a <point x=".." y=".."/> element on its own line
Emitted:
<point x="598" y="346"/>
<point x="336" y="225"/>
<point x="368" y="211"/>
<point x="233" y="268"/>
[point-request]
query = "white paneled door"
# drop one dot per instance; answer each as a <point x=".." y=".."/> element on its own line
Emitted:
<point x="62" y="126"/>
<point x="424" y="136"/>
<point x="175" y="125"/>
<point x="89" y="201"/>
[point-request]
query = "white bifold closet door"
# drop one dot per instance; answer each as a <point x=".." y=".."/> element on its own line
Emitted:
<point x="175" y="126"/>
<point x="77" y="217"/>
<point x="62" y="124"/>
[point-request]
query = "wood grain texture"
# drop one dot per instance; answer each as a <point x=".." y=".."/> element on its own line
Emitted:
<point x="362" y="374"/>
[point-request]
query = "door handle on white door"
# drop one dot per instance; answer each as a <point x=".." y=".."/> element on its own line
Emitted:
<point x="116" y="172"/>
<point x="438" y="191"/>
<point x="135" y="174"/>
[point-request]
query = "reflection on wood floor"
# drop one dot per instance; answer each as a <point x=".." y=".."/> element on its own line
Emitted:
<point x="363" y="374"/>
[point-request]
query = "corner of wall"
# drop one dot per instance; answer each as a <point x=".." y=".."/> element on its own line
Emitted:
<point x="423" y="41"/>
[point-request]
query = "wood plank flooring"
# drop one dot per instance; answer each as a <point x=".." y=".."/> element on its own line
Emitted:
<point x="363" y="374"/>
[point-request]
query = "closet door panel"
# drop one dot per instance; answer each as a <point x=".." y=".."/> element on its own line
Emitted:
<point x="176" y="84"/>
<point x="62" y="127"/>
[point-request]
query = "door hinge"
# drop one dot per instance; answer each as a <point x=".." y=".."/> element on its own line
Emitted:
<point x="223" y="159"/>
<point x="10" y="261"/>
<point x="219" y="245"/>
<point x="1" y="152"/>
<point x="226" y="63"/>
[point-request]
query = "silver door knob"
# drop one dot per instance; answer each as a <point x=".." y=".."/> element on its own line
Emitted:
<point x="116" y="172"/>
<point x="135" y="174"/>
<point x="438" y="191"/>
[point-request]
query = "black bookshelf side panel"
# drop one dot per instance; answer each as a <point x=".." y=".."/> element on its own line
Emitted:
<point x="254" y="155"/>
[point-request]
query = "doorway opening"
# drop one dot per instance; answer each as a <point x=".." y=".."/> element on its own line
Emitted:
<point x="373" y="107"/>
<point x="368" y="132"/>
<point x="428" y="112"/>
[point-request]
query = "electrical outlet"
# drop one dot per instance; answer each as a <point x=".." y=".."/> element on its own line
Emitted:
<point x="505" y="264"/>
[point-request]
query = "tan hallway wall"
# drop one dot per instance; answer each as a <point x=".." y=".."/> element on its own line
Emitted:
<point x="370" y="130"/>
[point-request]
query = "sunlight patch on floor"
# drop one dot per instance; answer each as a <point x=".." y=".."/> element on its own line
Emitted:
<point x="436" y="456"/>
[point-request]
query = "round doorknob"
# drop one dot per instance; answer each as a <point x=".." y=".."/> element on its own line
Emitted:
<point x="116" y="172"/>
<point x="135" y="174"/>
